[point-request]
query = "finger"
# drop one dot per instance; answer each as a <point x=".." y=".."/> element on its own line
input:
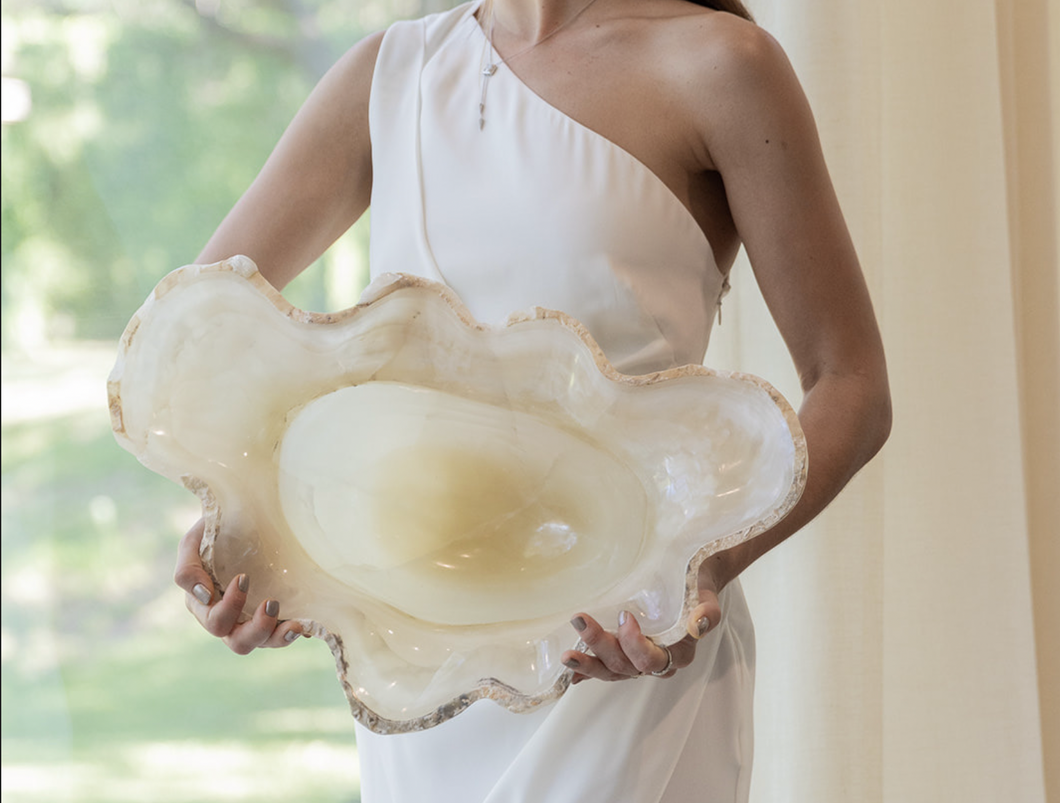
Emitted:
<point x="285" y="634"/>
<point x="642" y="652"/>
<point x="589" y="666"/>
<point x="705" y="616"/>
<point x="189" y="573"/>
<point x="220" y="618"/>
<point x="650" y="657"/>
<point x="684" y="651"/>
<point x="256" y="631"/>
<point x="604" y="645"/>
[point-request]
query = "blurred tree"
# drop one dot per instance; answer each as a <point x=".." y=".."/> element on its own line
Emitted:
<point x="148" y="120"/>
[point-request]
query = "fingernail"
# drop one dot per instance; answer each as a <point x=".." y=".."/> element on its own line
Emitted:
<point x="272" y="608"/>
<point x="702" y="626"/>
<point x="202" y="593"/>
<point x="579" y="623"/>
<point x="622" y="617"/>
<point x="244" y="583"/>
<point x="571" y="663"/>
<point x="291" y="635"/>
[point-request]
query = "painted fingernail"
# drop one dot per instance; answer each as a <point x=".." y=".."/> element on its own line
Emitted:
<point x="272" y="608"/>
<point x="622" y="617"/>
<point x="291" y="635"/>
<point x="702" y="626"/>
<point x="571" y="663"/>
<point x="202" y="593"/>
<point x="579" y="623"/>
<point x="244" y="583"/>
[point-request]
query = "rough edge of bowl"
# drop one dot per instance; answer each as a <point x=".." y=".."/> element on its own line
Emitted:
<point x="487" y="688"/>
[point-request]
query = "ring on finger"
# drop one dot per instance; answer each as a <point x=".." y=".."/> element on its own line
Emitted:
<point x="669" y="664"/>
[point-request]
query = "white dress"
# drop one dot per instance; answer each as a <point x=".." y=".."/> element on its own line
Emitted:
<point x="537" y="209"/>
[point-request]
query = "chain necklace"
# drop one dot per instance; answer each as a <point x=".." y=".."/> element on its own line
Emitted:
<point x="489" y="65"/>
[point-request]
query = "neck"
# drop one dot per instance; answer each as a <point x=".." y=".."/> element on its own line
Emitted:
<point x="530" y="21"/>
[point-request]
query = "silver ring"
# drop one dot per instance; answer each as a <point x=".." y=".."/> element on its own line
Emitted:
<point x="669" y="664"/>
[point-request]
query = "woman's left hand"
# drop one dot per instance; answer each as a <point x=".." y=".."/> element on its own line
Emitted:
<point x="628" y="653"/>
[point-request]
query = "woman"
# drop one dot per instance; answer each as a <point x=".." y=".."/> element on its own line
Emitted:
<point x="608" y="158"/>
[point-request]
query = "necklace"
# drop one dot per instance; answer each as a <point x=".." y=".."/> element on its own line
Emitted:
<point x="489" y="65"/>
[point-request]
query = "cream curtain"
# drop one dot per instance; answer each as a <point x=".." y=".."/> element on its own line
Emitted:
<point x="909" y="640"/>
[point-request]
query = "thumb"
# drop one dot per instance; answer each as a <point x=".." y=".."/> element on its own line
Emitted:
<point x="706" y="615"/>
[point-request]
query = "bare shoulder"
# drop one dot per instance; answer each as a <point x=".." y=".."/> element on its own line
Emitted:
<point x="332" y="126"/>
<point x="355" y="69"/>
<point x="335" y="116"/>
<point x="729" y="46"/>
<point x="364" y="53"/>
<point x="317" y="181"/>
<point x="339" y="103"/>
<point x="715" y="48"/>
<point x="738" y="86"/>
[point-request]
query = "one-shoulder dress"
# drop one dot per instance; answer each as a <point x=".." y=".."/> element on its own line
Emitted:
<point x="535" y="209"/>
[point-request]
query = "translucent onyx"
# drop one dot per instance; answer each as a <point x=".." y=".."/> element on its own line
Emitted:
<point x="433" y="497"/>
<point x="455" y="511"/>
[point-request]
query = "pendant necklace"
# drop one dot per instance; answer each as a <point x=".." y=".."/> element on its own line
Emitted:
<point x="489" y="65"/>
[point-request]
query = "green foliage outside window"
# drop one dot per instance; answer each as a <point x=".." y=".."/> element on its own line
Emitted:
<point x="146" y="121"/>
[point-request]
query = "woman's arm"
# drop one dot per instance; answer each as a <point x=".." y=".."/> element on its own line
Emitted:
<point x="757" y="132"/>
<point x="313" y="187"/>
<point x="765" y="146"/>
<point x="316" y="183"/>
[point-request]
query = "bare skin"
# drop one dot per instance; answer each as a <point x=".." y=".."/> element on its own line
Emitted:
<point x="710" y="104"/>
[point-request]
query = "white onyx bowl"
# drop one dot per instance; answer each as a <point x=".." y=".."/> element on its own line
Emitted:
<point x="436" y="498"/>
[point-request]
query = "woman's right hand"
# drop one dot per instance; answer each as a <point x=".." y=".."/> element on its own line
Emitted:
<point x="220" y="615"/>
